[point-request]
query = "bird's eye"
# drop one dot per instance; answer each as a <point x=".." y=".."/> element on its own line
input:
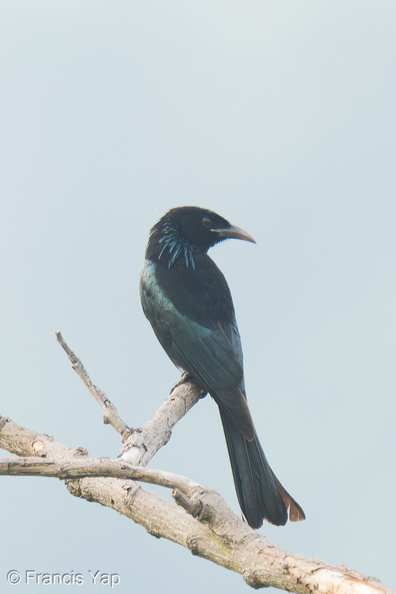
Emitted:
<point x="206" y="221"/>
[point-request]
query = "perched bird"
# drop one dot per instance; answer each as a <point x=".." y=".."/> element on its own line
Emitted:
<point x="188" y="303"/>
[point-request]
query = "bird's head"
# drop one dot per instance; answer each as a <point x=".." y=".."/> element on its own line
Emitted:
<point x="189" y="230"/>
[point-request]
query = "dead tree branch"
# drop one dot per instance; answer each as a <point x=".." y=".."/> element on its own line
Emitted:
<point x="95" y="467"/>
<point x="198" y="519"/>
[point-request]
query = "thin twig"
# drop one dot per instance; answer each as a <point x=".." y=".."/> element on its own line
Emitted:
<point x="110" y="413"/>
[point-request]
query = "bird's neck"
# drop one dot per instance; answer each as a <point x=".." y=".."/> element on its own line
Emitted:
<point x="166" y="248"/>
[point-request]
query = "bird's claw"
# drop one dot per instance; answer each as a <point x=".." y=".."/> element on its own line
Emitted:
<point x="185" y="377"/>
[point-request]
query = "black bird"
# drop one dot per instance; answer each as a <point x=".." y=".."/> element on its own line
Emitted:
<point x="188" y="303"/>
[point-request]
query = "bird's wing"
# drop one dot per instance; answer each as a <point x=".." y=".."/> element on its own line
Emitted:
<point x="207" y="353"/>
<point x="212" y="358"/>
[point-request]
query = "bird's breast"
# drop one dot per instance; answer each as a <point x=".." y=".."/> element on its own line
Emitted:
<point x="200" y="293"/>
<point x="207" y="349"/>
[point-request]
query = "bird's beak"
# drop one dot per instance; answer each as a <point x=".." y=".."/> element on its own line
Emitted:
<point x="234" y="232"/>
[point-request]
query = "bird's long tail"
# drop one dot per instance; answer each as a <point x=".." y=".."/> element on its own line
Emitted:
<point x="260" y="494"/>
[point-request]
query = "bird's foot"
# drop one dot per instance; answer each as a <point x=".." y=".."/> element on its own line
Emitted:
<point x="185" y="378"/>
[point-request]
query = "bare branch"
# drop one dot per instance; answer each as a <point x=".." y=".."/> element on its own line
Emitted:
<point x="199" y="519"/>
<point x="95" y="467"/>
<point x="24" y="442"/>
<point x="141" y="444"/>
<point x="110" y="413"/>
<point x="202" y="522"/>
<point x="145" y="442"/>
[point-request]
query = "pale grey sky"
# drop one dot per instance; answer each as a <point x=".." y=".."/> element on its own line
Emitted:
<point x="279" y="115"/>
